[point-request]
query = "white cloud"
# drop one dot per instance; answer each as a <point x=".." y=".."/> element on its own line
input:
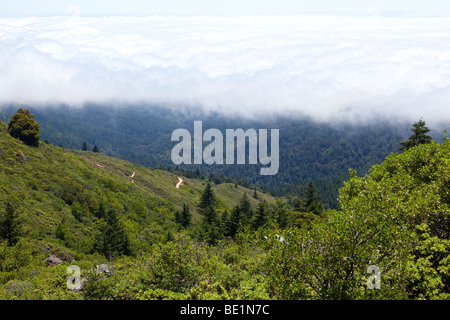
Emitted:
<point x="322" y="66"/>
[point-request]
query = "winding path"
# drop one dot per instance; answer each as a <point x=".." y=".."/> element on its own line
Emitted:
<point x="180" y="181"/>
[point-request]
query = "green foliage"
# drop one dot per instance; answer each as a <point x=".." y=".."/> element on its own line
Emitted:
<point x="15" y="256"/>
<point x="411" y="190"/>
<point x="22" y="126"/>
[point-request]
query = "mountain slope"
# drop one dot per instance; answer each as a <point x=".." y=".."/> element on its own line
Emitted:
<point x="54" y="188"/>
<point x="308" y="150"/>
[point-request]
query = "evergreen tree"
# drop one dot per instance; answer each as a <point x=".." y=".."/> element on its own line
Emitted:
<point x="224" y="220"/>
<point x="210" y="225"/>
<point x="207" y="199"/>
<point x="246" y="207"/>
<point x="255" y="195"/>
<point x="420" y="136"/>
<point x="46" y="141"/>
<point x="84" y="148"/>
<point x="10" y="225"/>
<point x="183" y="218"/>
<point x="311" y="201"/>
<point x="22" y="126"/>
<point x="186" y="216"/>
<point x="236" y="222"/>
<point x="95" y="149"/>
<point x="298" y="204"/>
<point x="281" y="214"/>
<point x="111" y="239"/>
<point x="178" y="218"/>
<point x="261" y="216"/>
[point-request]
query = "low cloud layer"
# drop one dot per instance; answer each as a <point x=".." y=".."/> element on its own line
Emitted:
<point x="327" y="68"/>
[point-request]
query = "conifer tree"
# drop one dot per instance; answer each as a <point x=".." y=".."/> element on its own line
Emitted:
<point x="281" y="214"/>
<point x="95" y="149"/>
<point x="207" y="199"/>
<point x="111" y="240"/>
<point x="236" y="222"/>
<point x="210" y="225"/>
<point x="246" y="207"/>
<point x="261" y="216"/>
<point x="420" y="136"/>
<point x="186" y="216"/>
<point x="311" y="202"/>
<point x="9" y="225"/>
<point x="84" y="148"/>
<point x="298" y="204"/>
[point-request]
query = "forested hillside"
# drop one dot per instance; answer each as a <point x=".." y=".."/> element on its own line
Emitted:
<point x="322" y="152"/>
<point x="82" y="225"/>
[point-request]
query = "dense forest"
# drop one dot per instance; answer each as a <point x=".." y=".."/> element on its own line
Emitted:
<point x="77" y="224"/>
<point x="323" y="152"/>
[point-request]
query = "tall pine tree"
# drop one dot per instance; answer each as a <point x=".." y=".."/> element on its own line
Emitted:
<point x="419" y="136"/>
<point x="210" y="225"/>
<point x="311" y="201"/>
<point x="111" y="239"/>
<point x="261" y="216"/>
<point x="184" y="217"/>
<point x="10" y="225"/>
<point x="207" y="199"/>
<point x="281" y="214"/>
<point x="236" y="222"/>
<point x="246" y="207"/>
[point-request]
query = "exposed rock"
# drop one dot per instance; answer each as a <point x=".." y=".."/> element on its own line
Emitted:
<point x="52" y="260"/>
<point x="103" y="268"/>
<point x="20" y="154"/>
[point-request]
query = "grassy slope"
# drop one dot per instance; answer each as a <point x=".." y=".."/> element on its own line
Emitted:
<point x="161" y="184"/>
<point x="37" y="184"/>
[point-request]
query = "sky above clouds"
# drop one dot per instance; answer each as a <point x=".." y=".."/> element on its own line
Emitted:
<point x="224" y="8"/>
<point x="326" y="59"/>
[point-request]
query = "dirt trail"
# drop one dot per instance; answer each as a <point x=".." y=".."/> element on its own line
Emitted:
<point x="180" y="181"/>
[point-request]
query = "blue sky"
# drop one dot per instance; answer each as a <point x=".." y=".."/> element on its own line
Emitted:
<point x="21" y="8"/>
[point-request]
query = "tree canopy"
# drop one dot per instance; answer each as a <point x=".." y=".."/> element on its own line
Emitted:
<point x="22" y="126"/>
